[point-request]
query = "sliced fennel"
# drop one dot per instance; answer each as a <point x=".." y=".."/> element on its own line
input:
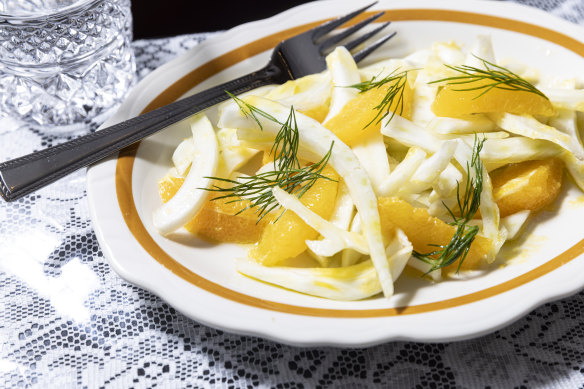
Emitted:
<point x="403" y="172"/>
<point x="429" y="170"/>
<point x="336" y="239"/>
<point x="183" y="156"/>
<point x="341" y="216"/>
<point x="530" y="127"/>
<point x="353" y="282"/>
<point x="351" y="257"/>
<point x="372" y="155"/>
<point x="233" y="153"/>
<point x="476" y="123"/>
<point x="190" y="197"/>
<point x="344" y="72"/>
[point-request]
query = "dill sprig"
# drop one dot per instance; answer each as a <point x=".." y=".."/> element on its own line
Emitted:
<point x="499" y="77"/>
<point x="458" y="247"/>
<point x="287" y="173"/>
<point x="251" y="111"/>
<point x="285" y="147"/>
<point x="258" y="188"/>
<point x="395" y="94"/>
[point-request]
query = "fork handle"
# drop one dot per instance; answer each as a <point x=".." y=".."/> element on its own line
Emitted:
<point x="23" y="175"/>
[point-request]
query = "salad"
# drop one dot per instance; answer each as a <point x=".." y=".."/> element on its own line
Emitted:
<point x="339" y="181"/>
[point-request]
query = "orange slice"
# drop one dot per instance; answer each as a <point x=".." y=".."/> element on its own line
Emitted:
<point x="219" y="220"/>
<point x="318" y="113"/>
<point x="358" y="117"/>
<point x="286" y="237"/>
<point x="168" y="186"/>
<point x="424" y="230"/>
<point x="529" y="185"/>
<point x="267" y="157"/>
<point x="451" y="102"/>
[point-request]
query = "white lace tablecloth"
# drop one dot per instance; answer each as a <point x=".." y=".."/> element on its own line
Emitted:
<point x="68" y="320"/>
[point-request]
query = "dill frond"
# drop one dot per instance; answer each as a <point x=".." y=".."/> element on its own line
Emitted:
<point x="468" y="205"/>
<point x="394" y="95"/>
<point x="287" y="173"/>
<point x="499" y="77"/>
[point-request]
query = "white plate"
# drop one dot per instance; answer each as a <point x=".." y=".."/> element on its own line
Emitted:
<point x="199" y="279"/>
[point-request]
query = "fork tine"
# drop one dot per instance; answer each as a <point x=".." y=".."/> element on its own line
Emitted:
<point x="356" y="42"/>
<point x="339" y="37"/>
<point x="321" y="30"/>
<point x="369" y="49"/>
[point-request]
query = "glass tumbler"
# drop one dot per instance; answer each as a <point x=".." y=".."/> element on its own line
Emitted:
<point x="64" y="62"/>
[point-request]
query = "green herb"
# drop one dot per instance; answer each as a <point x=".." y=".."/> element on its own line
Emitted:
<point x="252" y="111"/>
<point x="285" y="147"/>
<point x="458" y="247"/>
<point x="287" y="173"/>
<point x="395" y="93"/>
<point x="499" y="77"/>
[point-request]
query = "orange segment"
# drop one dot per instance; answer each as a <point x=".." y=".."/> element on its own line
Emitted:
<point x="286" y="237"/>
<point x="355" y="119"/>
<point x="318" y="113"/>
<point x="424" y="230"/>
<point x="451" y="102"/>
<point x="218" y="219"/>
<point x="529" y="185"/>
<point x="168" y="186"/>
<point x="267" y="157"/>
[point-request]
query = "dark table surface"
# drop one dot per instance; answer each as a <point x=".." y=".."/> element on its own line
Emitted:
<point x="176" y="17"/>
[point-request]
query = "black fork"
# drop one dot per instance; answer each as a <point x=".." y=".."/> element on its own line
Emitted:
<point x="295" y="57"/>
